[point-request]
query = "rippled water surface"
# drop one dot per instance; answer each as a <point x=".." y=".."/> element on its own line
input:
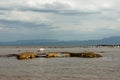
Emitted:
<point x="105" y="68"/>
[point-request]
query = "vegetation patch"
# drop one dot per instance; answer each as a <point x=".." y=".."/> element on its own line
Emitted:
<point x="58" y="54"/>
<point x="30" y="55"/>
<point x="86" y="55"/>
<point x="53" y="54"/>
<point x="26" y="55"/>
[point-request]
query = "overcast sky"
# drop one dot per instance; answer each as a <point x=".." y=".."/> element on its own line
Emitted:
<point x="59" y="19"/>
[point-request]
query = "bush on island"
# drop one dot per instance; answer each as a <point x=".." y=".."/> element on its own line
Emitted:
<point x="26" y="55"/>
<point x="53" y="54"/>
<point x="86" y="55"/>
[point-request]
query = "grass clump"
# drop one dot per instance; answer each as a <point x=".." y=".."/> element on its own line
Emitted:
<point x="26" y="55"/>
<point x="86" y="55"/>
<point x="53" y="54"/>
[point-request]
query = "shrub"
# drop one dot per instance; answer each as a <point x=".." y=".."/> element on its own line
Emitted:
<point x="53" y="54"/>
<point x="86" y="55"/>
<point x="26" y="55"/>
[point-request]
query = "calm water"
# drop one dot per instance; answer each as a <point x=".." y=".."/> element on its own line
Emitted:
<point x="105" y="68"/>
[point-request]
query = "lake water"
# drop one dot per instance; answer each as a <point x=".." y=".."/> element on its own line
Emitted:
<point x="105" y="68"/>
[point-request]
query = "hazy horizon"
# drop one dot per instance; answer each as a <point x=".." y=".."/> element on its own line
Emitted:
<point x="58" y="40"/>
<point x="58" y="20"/>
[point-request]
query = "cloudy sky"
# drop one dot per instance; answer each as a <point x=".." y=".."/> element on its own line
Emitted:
<point x="59" y="19"/>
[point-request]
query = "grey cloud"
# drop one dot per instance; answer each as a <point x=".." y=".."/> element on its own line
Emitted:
<point x="17" y="24"/>
<point x="58" y="19"/>
<point x="2" y="13"/>
<point x="25" y="30"/>
<point x="98" y="34"/>
<point x="3" y="9"/>
<point x="66" y="12"/>
<point x="55" y="7"/>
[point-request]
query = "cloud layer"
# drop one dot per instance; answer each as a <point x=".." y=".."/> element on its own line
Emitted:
<point x="55" y="19"/>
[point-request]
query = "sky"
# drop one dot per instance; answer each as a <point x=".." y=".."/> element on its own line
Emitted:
<point x="59" y="19"/>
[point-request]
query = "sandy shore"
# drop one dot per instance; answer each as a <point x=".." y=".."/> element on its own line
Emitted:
<point x="105" y="68"/>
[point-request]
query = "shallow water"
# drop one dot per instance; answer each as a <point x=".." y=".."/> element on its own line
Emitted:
<point x="105" y="68"/>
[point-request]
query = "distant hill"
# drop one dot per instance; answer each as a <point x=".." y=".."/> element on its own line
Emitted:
<point x="115" y="40"/>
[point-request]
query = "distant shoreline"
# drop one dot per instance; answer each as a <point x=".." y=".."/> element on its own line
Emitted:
<point x="94" y="46"/>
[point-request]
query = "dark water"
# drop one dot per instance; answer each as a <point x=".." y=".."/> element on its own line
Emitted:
<point x="105" y="68"/>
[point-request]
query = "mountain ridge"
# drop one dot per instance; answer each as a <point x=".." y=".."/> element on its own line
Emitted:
<point x="114" y="40"/>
